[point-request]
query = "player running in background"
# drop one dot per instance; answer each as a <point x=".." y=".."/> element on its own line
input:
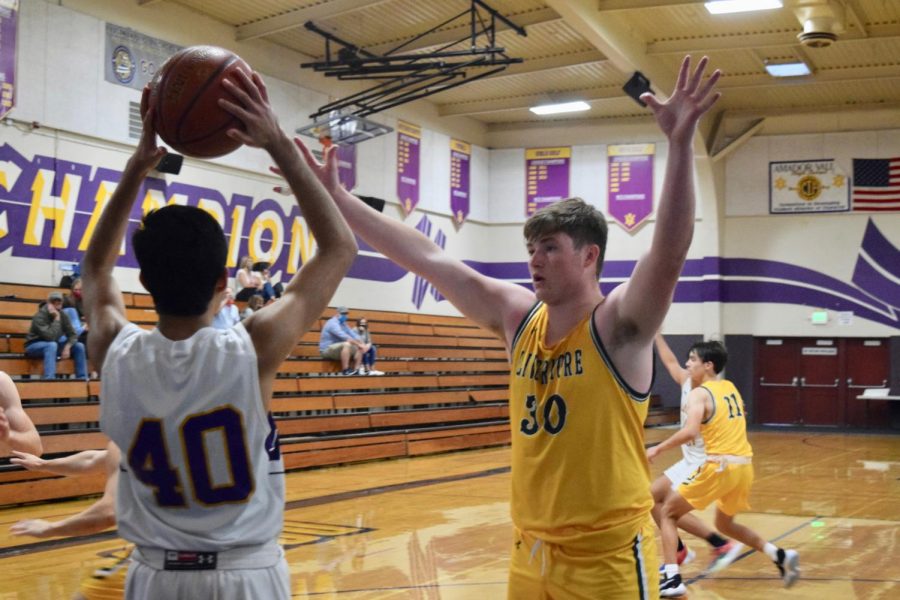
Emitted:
<point x="716" y="411"/>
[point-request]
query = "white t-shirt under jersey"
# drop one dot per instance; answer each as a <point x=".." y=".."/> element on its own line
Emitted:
<point x="201" y="469"/>
<point x="695" y="450"/>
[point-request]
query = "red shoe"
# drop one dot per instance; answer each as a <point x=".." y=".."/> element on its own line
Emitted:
<point x="685" y="555"/>
<point x="724" y="556"/>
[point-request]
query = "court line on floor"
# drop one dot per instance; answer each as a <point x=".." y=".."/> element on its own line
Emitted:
<point x="435" y="586"/>
<point x="753" y="551"/>
<point x="33" y="547"/>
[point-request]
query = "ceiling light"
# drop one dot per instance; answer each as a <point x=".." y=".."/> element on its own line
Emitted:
<point x="724" y="7"/>
<point x="564" y="107"/>
<point x="788" y="69"/>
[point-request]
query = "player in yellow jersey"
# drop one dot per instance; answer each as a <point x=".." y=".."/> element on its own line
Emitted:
<point x="582" y="367"/>
<point x="716" y="411"/>
<point x="106" y="583"/>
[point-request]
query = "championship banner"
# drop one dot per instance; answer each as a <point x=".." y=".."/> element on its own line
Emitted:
<point x="630" y="183"/>
<point x="807" y="186"/>
<point x="546" y="177"/>
<point x="408" y="138"/>
<point x="132" y="58"/>
<point x="9" y="10"/>
<point x="346" y="157"/>
<point x="460" y="158"/>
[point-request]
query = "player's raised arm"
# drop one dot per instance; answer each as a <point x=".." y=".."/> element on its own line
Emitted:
<point x="277" y="329"/>
<point x="676" y="371"/>
<point x="102" y="299"/>
<point x="642" y="302"/>
<point x="496" y="305"/>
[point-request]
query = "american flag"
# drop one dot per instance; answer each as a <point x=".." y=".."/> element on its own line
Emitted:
<point x="876" y="184"/>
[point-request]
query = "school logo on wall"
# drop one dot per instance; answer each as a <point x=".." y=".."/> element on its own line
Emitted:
<point x="808" y="186"/>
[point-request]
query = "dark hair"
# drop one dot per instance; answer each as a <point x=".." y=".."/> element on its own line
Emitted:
<point x="712" y="351"/>
<point x="574" y="217"/>
<point x="181" y="251"/>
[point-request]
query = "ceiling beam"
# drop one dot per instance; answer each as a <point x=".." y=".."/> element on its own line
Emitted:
<point x="759" y="41"/>
<point x="590" y="95"/>
<point x="447" y="36"/>
<point x="296" y="18"/>
<point x="738" y="141"/>
<point x="854" y="75"/>
<point x="607" y="5"/>
<point x="549" y="63"/>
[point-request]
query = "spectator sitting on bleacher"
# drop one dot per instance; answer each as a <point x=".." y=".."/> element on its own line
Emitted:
<point x="228" y="315"/>
<point x="253" y="304"/>
<point x="17" y="432"/>
<point x="72" y="306"/>
<point x="339" y="342"/>
<point x="368" y="358"/>
<point x="52" y="337"/>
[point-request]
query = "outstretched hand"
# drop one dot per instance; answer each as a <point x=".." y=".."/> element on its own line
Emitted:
<point x="148" y="153"/>
<point x="678" y="116"/>
<point x="27" y="461"/>
<point x="31" y="527"/>
<point x="261" y="129"/>
<point x="326" y="172"/>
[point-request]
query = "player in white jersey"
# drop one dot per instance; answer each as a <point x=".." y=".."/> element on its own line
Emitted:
<point x="725" y="551"/>
<point x="201" y="488"/>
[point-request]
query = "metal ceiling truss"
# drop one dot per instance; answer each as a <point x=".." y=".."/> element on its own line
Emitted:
<point x="405" y="77"/>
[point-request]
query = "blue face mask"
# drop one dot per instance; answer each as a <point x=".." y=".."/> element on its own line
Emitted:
<point x="342" y="318"/>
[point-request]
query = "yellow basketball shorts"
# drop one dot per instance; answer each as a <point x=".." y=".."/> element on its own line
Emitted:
<point x="729" y="487"/>
<point x="107" y="582"/>
<point x="541" y="571"/>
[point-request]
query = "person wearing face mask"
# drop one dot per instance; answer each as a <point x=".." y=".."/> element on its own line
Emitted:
<point x="73" y="307"/>
<point x="339" y="342"/>
<point x="368" y="357"/>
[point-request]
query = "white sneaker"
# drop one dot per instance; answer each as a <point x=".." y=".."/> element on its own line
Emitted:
<point x="789" y="567"/>
<point x="374" y="372"/>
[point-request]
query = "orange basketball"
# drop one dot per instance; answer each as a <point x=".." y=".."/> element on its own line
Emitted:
<point x="185" y="92"/>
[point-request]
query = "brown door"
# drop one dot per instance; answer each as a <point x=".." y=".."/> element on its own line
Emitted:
<point x="777" y="397"/>
<point x="868" y="365"/>
<point x="820" y="382"/>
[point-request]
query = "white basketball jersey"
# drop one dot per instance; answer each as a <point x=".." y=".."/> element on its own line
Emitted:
<point x="695" y="450"/>
<point x="201" y="468"/>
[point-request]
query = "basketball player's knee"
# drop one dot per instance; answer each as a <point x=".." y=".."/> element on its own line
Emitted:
<point x="723" y="521"/>
<point x="659" y="488"/>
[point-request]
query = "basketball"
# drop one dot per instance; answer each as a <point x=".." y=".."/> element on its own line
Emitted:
<point x="185" y="93"/>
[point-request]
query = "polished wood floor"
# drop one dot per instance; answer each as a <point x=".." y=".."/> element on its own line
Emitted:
<point x="438" y="527"/>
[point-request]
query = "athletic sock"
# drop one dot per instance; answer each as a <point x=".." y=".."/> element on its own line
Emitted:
<point x="773" y="552"/>
<point x="671" y="570"/>
<point x="716" y="540"/>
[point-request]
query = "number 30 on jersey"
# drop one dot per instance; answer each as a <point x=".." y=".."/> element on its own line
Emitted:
<point x="552" y="417"/>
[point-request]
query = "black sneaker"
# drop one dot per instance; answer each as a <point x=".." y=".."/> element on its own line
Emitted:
<point x="349" y="372"/>
<point x="671" y="587"/>
<point x="788" y="564"/>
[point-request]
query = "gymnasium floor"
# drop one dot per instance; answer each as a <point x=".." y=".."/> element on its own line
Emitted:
<point x="438" y="527"/>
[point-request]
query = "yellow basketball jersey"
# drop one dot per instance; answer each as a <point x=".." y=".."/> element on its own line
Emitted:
<point x="725" y="432"/>
<point x="580" y="476"/>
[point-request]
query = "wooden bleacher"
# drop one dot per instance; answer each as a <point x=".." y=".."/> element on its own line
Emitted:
<point x="445" y="388"/>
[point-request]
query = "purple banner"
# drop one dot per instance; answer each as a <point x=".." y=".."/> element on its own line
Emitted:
<point x="630" y="191"/>
<point x="8" y="26"/>
<point x="460" y="155"/>
<point x="546" y="177"/>
<point x="408" y="139"/>
<point x="346" y="158"/>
